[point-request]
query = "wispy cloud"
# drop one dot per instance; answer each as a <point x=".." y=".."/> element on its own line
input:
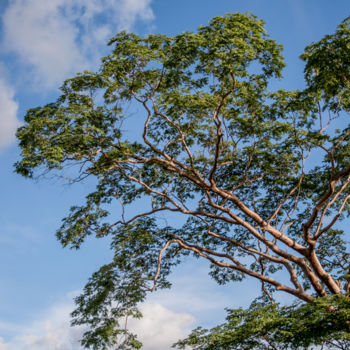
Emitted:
<point x="202" y="296"/>
<point x="56" y="38"/>
<point x="3" y="346"/>
<point x="8" y="113"/>
<point x="301" y="17"/>
<point x="19" y="238"/>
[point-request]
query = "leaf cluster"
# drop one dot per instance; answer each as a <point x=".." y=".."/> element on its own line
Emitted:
<point x="266" y="327"/>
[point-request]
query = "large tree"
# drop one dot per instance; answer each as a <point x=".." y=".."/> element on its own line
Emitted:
<point x="256" y="178"/>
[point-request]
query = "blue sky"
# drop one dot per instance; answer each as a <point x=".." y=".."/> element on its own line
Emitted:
<point x="42" y="43"/>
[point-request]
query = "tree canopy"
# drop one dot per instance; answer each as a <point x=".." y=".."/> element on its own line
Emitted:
<point x="193" y="125"/>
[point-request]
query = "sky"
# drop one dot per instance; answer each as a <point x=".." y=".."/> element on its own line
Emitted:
<point x="43" y="42"/>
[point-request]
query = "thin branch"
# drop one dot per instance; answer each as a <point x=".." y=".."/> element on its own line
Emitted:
<point x="324" y="199"/>
<point x="235" y="265"/>
<point x="335" y="218"/>
<point x="219" y="135"/>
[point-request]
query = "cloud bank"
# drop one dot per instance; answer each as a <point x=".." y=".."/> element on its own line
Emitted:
<point x="158" y="329"/>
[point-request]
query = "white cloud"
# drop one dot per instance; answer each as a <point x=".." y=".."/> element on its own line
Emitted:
<point x="53" y="39"/>
<point x="8" y="114"/>
<point x="42" y="38"/>
<point x="132" y="10"/>
<point x="158" y="329"/>
<point x="56" y="38"/>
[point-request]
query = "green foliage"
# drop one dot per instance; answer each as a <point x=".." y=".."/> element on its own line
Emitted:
<point x="213" y="145"/>
<point x="326" y="322"/>
<point x="327" y="67"/>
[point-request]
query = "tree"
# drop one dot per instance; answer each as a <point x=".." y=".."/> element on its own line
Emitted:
<point x="256" y="178"/>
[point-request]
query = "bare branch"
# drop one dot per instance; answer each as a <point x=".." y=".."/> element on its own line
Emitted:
<point x="324" y="199"/>
<point x="335" y="218"/>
